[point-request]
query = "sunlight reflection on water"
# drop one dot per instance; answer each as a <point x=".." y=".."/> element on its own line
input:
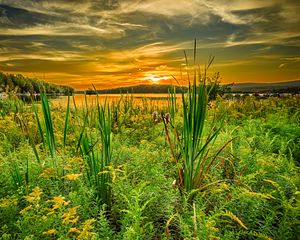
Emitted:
<point x="159" y="99"/>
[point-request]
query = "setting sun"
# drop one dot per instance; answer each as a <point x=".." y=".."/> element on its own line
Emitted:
<point x="155" y="79"/>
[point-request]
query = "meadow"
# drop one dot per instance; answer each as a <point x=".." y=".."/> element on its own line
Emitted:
<point x="187" y="169"/>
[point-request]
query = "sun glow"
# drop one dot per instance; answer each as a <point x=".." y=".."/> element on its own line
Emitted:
<point x="155" y="79"/>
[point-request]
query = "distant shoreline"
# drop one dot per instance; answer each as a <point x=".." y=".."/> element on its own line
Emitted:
<point x="280" y="87"/>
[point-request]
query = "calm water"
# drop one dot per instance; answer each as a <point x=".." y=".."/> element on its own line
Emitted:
<point x="137" y="98"/>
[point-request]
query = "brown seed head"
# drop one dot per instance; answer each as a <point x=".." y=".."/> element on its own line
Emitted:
<point x="167" y="117"/>
<point x="155" y="116"/>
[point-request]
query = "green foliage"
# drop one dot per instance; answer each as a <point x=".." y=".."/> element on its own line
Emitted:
<point x="135" y="225"/>
<point x="123" y="187"/>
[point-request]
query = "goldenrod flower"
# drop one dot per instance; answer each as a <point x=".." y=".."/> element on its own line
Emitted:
<point x="58" y="202"/>
<point x="110" y="170"/>
<point x="210" y="226"/>
<point x="72" y="176"/>
<point x="71" y="162"/>
<point x="50" y="232"/>
<point x="70" y="216"/>
<point x="26" y="209"/>
<point x="74" y="230"/>
<point x="6" y="202"/>
<point x="35" y="196"/>
<point x="86" y="230"/>
<point x="48" y="173"/>
<point x="212" y="237"/>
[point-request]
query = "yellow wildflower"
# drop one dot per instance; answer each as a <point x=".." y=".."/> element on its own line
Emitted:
<point x="71" y="162"/>
<point x="72" y="176"/>
<point x="35" y="196"/>
<point x="26" y="209"/>
<point x="50" y="232"/>
<point x="48" y="173"/>
<point x="212" y="237"/>
<point x="113" y="172"/>
<point x="210" y="225"/>
<point x="70" y="216"/>
<point x="58" y="202"/>
<point x="235" y="218"/>
<point x="224" y="186"/>
<point x="86" y="230"/>
<point x="257" y="194"/>
<point x="6" y="202"/>
<point x="110" y="170"/>
<point x="74" y="230"/>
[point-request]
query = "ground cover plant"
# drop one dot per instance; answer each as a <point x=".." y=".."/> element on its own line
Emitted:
<point x="187" y="169"/>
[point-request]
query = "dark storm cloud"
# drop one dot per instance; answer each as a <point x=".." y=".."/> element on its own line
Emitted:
<point x="18" y="17"/>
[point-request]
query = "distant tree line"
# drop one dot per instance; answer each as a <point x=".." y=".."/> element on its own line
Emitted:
<point x="292" y="90"/>
<point x="213" y="84"/>
<point x="17" y="83"/>
<point x="214" y="89"/>
<point x="137" y="89"/>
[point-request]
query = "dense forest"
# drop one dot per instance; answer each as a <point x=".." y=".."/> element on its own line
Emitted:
<point x="17" y="83"/>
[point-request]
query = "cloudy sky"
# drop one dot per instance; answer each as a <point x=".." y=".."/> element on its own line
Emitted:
<point x="114" y="43"/>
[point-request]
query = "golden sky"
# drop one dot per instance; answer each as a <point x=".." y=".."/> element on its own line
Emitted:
<point x="112" y="43"/>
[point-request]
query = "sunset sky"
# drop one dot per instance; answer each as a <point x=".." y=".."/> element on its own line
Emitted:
<point x="113" y="43"/>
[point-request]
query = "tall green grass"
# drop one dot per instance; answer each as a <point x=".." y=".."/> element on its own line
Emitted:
<point x="172" y="102"/>
<point x="104" y="121"/>
<point x="98" y="156"/>
<point x="66" y="121"/>
<point x="46" y="127"/>
<point x="194" y="159"/>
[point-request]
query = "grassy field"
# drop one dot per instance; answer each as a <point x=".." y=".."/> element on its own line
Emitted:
<point x="189" y="169"/>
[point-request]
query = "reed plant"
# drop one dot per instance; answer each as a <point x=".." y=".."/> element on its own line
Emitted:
<point x="48" y="124"/>
<point x="97" y="156"/>
<point x="104" y="121"/>
<point x="45" y="127"/>
<point x="172" y="102"/>
<point x="121" y="111"/>
<point x="194" y="159"/>
<point x="66" y="121"/>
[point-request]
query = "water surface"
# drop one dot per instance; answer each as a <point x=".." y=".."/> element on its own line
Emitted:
<point x="136" y="98"/>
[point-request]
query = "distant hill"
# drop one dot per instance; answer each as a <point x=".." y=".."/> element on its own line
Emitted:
<point x="291" y="86"/>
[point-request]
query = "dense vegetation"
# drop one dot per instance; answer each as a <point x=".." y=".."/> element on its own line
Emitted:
<point x="17" y="83"/>
<point x="115" y="172"/>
